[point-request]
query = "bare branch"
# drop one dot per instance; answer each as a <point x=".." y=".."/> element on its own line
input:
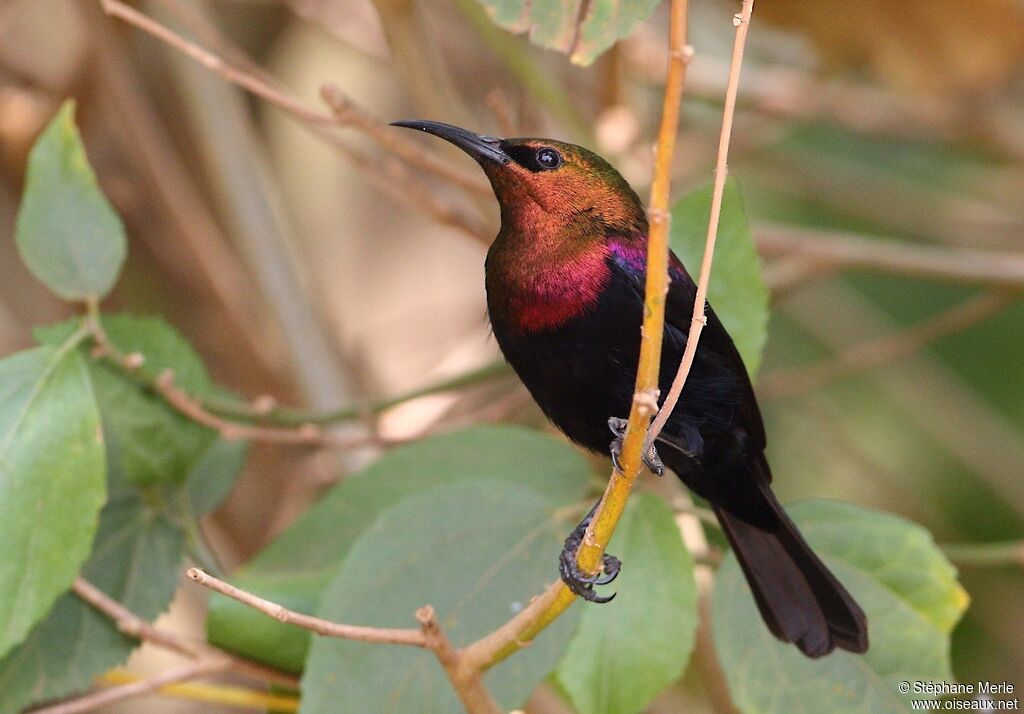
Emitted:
<point x="466" y="681"/>
<point x="95" y="700"/>
<point x="209" y="249"/>
<point x="390" y="176"/>
<point x="280" y="613"/>
<point x="265" y="408"/>
<point x="304" y="435"/>
<point x="134" y="626"/>
<point x="697" y="322"/>
<point x="348" y="113"/>
<point x="129" y="623"/>
<point x="134" y="366"/>
<point x="216" y="64"/>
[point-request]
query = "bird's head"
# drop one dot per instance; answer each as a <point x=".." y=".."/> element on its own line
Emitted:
<point x="545" y="182"/>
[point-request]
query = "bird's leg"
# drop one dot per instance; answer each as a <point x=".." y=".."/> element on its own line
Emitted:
<point x="579" y="582"/>
<point x="651" y="459"/>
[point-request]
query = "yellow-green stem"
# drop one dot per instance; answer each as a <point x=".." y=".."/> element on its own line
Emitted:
<point x="553" y="602"/>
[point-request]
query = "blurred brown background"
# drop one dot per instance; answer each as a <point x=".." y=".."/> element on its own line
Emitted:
<point x="296" y="275"/>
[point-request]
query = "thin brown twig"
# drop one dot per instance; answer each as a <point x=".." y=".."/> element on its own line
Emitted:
<point x="265" y="408"/>
<point x="394" y="178"/>
<point x="136" y="627"/>
<point x="344" y="111"/>
<point x="94" y="700"/>
<point x="698" y="321"/>
<point x="385" y="635"/>
<point x="347" y="113"/>
<point x="645" y="395"/>
<point x="217" y="65"/>
<point x="466" y="681"/>
<point x="390" y="176"/>
<point x="304" y="435"/>
<point x="197" y="22"/>
<point x="129" y="623"/>
<point x="868" y="355"/>
<point x="133" y="366"/>
<point x="189" y="213"/>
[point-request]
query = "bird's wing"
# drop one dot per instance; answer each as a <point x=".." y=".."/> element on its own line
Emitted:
<point x="716" y="351"/>
<point x="718" y="399"/>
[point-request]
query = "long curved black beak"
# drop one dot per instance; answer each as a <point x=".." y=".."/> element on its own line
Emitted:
<point x="482" y="148"/>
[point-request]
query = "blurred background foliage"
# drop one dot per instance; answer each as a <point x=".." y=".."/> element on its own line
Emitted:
<point x="881" y="150"/>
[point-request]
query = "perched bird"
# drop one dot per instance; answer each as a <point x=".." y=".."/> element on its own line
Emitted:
<point x="565" y="291"/>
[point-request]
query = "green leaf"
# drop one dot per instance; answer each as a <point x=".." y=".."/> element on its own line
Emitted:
<point x="582" y="29"/>
<point x="905" y="585"/>
<point x="135" y="560"/>
<point x="214" y="474"/>
<point x="626" y="652"/>
<point x="295" y="568"/>
<point x="52" y="469"/>
<point x="477" y="551"/>
<point x="158" y="445"/>
<point x="68" y="235"/>
<point x="736" y="292"/>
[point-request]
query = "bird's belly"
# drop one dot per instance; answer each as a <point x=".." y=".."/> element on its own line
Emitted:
<point x="576" y="377"/>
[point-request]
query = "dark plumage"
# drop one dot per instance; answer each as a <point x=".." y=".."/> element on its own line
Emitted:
<point x="565" y="282"/>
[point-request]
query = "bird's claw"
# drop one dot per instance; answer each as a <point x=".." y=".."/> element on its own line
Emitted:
<point x="653" y="462"/>
<point x="583" y="584"/>
<point x="578" y="581"/>
<point x="651" y="459"/>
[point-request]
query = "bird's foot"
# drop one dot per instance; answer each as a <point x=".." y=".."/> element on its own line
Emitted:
<point x="651" y="459"/>
<point x="583" y="583"/>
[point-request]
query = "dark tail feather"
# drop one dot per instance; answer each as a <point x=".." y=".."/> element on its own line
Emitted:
<point x="799" y="599"/>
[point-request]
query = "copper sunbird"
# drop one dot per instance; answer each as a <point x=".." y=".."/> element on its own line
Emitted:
<point x="565" y="292"/>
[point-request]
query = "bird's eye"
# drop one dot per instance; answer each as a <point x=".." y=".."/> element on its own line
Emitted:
<point x="549" y="159"/>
